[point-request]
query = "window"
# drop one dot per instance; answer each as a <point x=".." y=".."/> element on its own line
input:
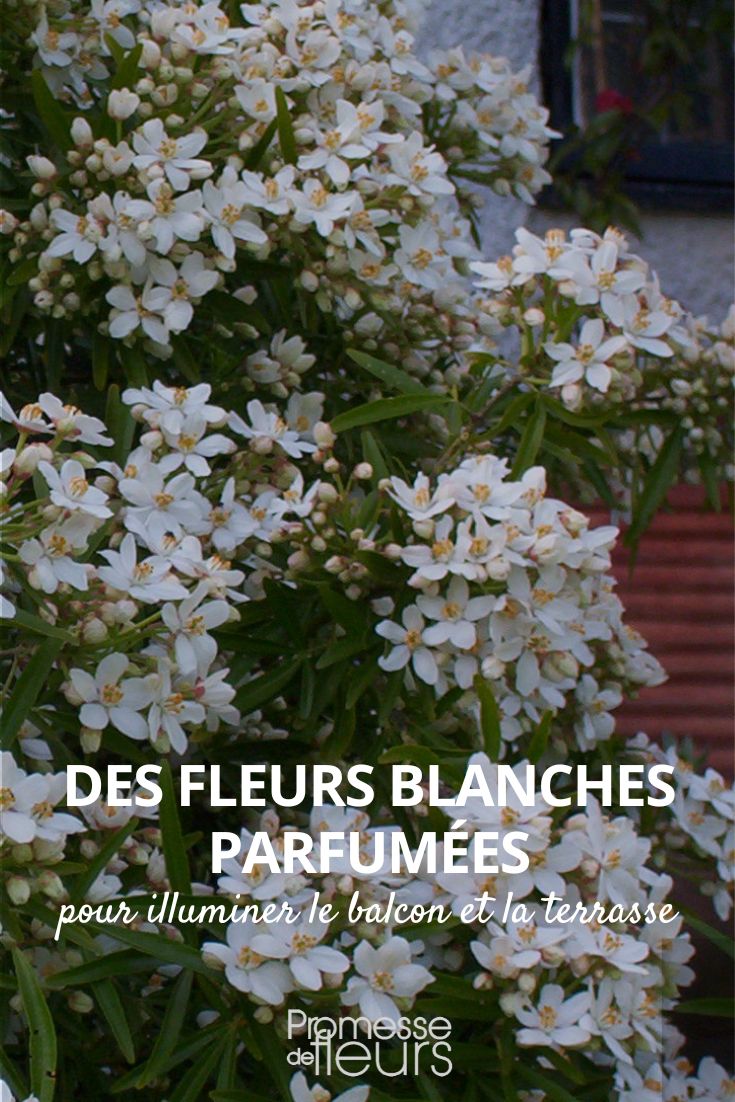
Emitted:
<point x="666" y="66"/>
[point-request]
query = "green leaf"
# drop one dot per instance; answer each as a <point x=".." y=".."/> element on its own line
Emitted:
<point x="275" y="1058"/>
<point x="40" y="627"/>
<point x="120" y="424"/>
<point x="100" y="861"/>
<point x="530" y="441"/>
<point x="263" y="688"/>
<point x="360" y="681"/>
<point x="26" y="689"/>
<point x="122" y="963"/>
<point x="190" y="1087"/>
<point x="170" y="1029"/>
<point x="53" y="118"/>
<point x="489" y="718"/>
<point x="41" y="1029"/>
<point x="552" y="1088"/>
<point x="109" y="1003"/>
<point x="127" y="71"/>
<point x="374" y="455"/>
<point x="156" y="946"/>
<point x="657" y="484"/>
<point x="285" y="128"/>
<point x="540" y="738"/>
<point x="393" y="377"/>
<point x="100" y="360"/>
<point x="256" y="154"/>
<point x="174" y="850"/>
<point x="711" y="1008"/>
<point x="385" y="409"/>
<point x="716" y="937"/>
<point x="351" y="615"/>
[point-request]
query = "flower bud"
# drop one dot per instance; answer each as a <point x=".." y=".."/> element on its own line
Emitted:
<point x="18" y="889"/>
<point x="51" y="885"/>
<point x="26" y="462"/>
<point x="363" y="471"/>
<point x="81" y="132"/>
<point x="94" y="631"/>
<point x="90" y="740"/>
<point x="41" y="167"/>
<point x="323" y="434"/>
<point x="80" y="1002"/>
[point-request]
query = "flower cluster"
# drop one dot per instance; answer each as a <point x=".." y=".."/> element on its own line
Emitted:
<point x="598" y="333"/>
<point x="513" y="590"/>
<point x="174" y="186"/>
<point x="604" y="986"/>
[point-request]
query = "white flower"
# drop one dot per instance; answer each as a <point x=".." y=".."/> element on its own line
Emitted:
<point x="79" y="235"/>
<point x="182" y="286"/>
<point x="131" y="311"/>
<point x="384" y="974"/>
<point x="589" y="360"/>
<point x="176" y="156"/>
<point x="72" y="423"/>
<point x="554" y="1020"/>
<point x="231" y="521"/>
<point x="266" y="429"/>
<point x="418" y="500"/>
<point x="315" y="205"/>
<point x="455" y="614"/>
<point x="27" y="805"/>
<point x="190" y="447"/>
<point x="107" y="699"/>
<point x="164" y="506"/>
<point x="51" y="556"/>
<point x="408" y="646"/>
<point x="149" y="581"/>
<point x="168" y="216"/>
<point x="272" y="193"/>
<point x="70" y="489"/>
<point x="167" y="406"/>
<point x="189" y="623"/>
<point x="418" y="167"/>
<point x="170" y="710"/>
<point x="246" y="968"/>
<point x="299" y="945"/>
<point x="258" y="99"/>
<point x="225" y="205"/>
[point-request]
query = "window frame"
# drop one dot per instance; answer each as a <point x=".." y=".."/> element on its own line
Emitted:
<point x="690" y="175"/>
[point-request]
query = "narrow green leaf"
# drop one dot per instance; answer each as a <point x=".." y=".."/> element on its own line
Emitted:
<point x="40" y="627"/>
<point x="109" y="1003"/>
<point x="393" y="377"/>
<point x="255" y="156"/>
<point x="262" y="689"/>
<point x="190" y="1087"/>
<point x="657" y="484"/>
<point x="53" y="118"/>
<point x="127" y="71"/>
<point x="285" y="128"/>
<point x="120" y="424"/>
<point x="275" y="1058"/>
<point x="26" y="689"/>
<point x="122" y="963"/>
<point x="174" y="850"/>
<point x="100" y="861"/>
<point x="41" y="1029"/>
<point x="530" y="441"/>
<point x="159" y="948"/>
<point x="552" y="1088"/>
<point x="540" y="738"/>
<point x="360" y="681"/>
<point x="374" y="455"/>
<point x="716" y="937"/>
<point x="170" y="1029"/>
<point x="100" y="360"/>
<point x="489" y="718"/>
<point x="385" y="409"/>
<point x="711" y="1008"/>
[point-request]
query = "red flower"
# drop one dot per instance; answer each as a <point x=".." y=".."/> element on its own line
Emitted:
<point x="612" y="100"/>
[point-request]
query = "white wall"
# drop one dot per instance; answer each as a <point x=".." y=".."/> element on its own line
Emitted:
<point x="693" y="253"/>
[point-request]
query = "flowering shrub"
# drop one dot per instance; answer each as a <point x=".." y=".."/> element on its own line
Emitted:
<point x="321" y="517"/>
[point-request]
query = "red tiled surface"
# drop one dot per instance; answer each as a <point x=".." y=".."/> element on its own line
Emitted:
<point x="680" y="597"/>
